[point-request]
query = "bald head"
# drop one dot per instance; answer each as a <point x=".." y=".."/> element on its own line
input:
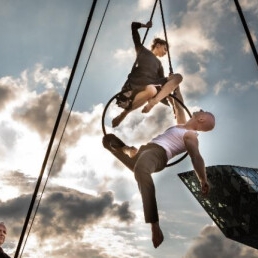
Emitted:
<point x="205" y="121"/>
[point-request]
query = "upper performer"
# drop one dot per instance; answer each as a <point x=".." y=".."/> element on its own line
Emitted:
<point x="146" y="83"/>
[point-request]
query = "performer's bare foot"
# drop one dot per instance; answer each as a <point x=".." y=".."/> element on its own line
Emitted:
<point x="117" y="120"/>
<point x="149" y="106"/>
<point x="157" y="235"/>
<point x="130" y="151"/>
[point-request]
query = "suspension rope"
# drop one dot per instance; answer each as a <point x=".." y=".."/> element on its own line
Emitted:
<point x="146" y="32"/>
<point x="165" y="34"/>
<point x="152" y="13"/>
<point x="55" y="128"/>
<point x="62" y="135"/>
<point x="248" y="34"/>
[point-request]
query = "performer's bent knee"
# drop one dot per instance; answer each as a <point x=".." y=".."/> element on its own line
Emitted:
<point x="140" y="171"/>
<point x="151" y="89"/>
<point x="177" y="77"/>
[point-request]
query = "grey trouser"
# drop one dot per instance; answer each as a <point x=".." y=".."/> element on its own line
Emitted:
<point x="150" y="158"/>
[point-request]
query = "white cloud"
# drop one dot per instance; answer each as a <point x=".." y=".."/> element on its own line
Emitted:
<point x="212" y="243"/>
<point x="145" y="4"/>
<point x="122" y="55"/>
<point x="220" y="86"/>
<point x="250" y="5"/>
<point x="194" y="84"/>
<point x="82" y="162"/>
<point x="111" y="241"/>
<point x="190" y="38"/>
<point x="175" y="236"/>
<point x="51" y="78"/>
<point x="195" y="32"/>
<point x="225" y="85"/>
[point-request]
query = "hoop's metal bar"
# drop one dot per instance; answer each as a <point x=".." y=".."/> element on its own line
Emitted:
<point x="173" y="96"/>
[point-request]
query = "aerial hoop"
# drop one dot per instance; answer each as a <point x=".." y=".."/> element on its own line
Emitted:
<point x="112" y="142"/>
<point x="106" y="135"/>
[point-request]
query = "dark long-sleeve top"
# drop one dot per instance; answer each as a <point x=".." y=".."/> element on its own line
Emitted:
<point x="148" y="68"/>
<point x="3" y="254"/>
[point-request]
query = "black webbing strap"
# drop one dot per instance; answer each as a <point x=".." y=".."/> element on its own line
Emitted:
<point x="165" y="33"/>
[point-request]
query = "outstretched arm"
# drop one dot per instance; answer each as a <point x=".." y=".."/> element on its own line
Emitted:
<point x="191" y="143"/>
<point x="136" y="36"/>
<point x="178" y="109"/>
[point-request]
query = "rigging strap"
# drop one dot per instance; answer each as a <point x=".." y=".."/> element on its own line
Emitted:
<point x="54" y="132"/>
<point x="152" y="13"/>
<point x="165" y="34"/>
<point x="248" y="34"/>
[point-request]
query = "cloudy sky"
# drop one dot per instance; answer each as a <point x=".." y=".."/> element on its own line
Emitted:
<point x="90" y="206"/>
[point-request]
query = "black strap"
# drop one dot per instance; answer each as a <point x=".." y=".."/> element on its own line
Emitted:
<point x="152" y="13"/>
<point x="165" y="34"/>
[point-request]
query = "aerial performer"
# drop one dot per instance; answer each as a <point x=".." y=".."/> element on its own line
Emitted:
<point x="153" y="157"/>
<point x="146" y="83"/>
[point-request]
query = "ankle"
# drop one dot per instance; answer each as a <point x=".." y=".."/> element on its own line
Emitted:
<point x="155" y="225"/>
<point x="154" y="101"/>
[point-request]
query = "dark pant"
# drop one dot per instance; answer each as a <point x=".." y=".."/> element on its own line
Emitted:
<point x="150" y="158"/>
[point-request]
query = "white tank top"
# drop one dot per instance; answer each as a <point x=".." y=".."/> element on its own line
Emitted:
<point x="172" y="140"/>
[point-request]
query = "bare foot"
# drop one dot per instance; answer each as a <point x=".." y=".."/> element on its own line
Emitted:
<point x="157" y="235"/>
<point x="130" y="151"/>
<point x="149" y="106"/>
<point x="117" y="120"/>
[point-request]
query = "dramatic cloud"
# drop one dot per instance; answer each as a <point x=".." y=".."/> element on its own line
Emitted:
<point x="61" y="211"/>
<point x="8" y="138"/>
<point x="122" y="55"/>
<point x="91" y="206"/>
<point x="6" y="94"/>
<point x="249" y="5"/>
<point x="53" y="78"/>
<point x="145" y="4"/>
<point x="68" y="207"/>
<point x="16" y="183"/>
<point x="139" y="128"/>
<point x="212" y="243"/>
<point x="39" y="112"/>
<point x="36" y="111"/>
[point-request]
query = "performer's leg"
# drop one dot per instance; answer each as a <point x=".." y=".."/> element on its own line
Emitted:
<point x="150" y="160"/>
<point x="141" y="98"/>
<point x="166" y="89"/>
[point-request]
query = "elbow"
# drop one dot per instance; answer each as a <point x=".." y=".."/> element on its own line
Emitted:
<point x="178" y="78"/>
<point x="135" y="25"/>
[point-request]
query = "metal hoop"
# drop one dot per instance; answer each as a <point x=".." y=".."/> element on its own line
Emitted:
<point x="171" y="95"/>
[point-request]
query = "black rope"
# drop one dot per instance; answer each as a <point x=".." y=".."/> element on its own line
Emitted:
<point x="62" y="135"/>
<point x="248" y="34"/>
<point x="166" y="38"/>
<point x="55" y="129"/>
<point x="152" y="13"/>
<point x="146" y="32"/>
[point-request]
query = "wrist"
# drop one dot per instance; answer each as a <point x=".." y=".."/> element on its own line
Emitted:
<point x="203" y="181"/>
